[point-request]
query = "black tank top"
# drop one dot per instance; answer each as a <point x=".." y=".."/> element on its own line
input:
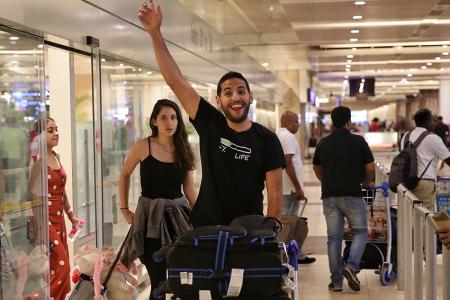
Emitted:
<point x="160" y="179"/>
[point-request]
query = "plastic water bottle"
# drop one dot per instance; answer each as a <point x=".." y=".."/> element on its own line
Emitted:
<point x="76" y="230"/>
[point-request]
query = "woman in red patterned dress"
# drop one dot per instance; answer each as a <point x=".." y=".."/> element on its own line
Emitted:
<point x="57" y="205"/>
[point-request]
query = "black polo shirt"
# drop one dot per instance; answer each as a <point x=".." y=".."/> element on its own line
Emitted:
<point x="342" y="157"/>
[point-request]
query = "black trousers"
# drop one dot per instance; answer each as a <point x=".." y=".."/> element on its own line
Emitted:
<point x="156" y="270"/>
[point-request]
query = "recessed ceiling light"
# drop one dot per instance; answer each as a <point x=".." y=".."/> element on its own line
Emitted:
<point x="444" y="53"/>
<point x="409" y="75"/>
<point x="353" y="40"/>
<point x="350" y="56"/>
<point x="442" y="69"/>
<point x="103" y="60"/>
<point x="271" y="8"/>
<point x="120" y="65"/>
<point x="265" y="64"/>
<point x="354" y="31"/>
<point x="357" y="17"/>
<point x="140" y="70"/>
<point x="349" y="60"/>
<point x="429" y="64"/>
<point x="346" y="76"/>
<point x="360" y="2"/>
<point x="13" y="38"/>
<point x="149" y="73"/>
<point x="40" y="46"/>
<point x="348" y="66"/>
<point x="354" y="49"/>
<point x="437" y="58"/>
<point x="445" y="46"/>
<point x="423" y="67"/>
<point x="13" y="42"/>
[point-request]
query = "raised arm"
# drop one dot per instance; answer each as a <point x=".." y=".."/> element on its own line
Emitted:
<point x="151" y="20"/>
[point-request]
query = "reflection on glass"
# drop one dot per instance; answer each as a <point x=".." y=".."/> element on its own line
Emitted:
<point x="23" y="217"/>
<point x="84" y="196"/>
<point x="129" y="93"/>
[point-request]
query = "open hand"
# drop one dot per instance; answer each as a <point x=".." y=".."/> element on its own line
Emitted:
<point x="150" y="17"/>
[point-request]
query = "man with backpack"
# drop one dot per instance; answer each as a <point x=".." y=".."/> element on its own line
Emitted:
<point x="420" y="164"/>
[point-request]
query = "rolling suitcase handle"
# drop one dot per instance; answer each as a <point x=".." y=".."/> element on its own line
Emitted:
<point x="304" y="205"/>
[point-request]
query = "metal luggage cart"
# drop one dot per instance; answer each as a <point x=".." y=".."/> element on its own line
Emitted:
<point x="380" y="239"/>
<point x="443" y="194"/>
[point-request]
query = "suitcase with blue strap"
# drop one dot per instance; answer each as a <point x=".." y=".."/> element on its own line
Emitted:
<point x="203" y="259"/>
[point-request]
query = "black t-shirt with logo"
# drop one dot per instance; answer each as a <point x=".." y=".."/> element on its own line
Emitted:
<point x="234" y="165"/>
<point x="342" y="157"/>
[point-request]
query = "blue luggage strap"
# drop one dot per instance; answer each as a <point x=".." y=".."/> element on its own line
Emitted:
<point x="218" y="272"/>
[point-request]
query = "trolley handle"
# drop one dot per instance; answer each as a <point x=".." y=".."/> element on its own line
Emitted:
<point x="384" y="186"/>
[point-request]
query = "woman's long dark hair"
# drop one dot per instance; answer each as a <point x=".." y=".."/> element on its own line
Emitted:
<point x="183" y="156"/>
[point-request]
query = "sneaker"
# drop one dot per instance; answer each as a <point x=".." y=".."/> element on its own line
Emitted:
<point x="335" y="287"/>
<point x="306" y="260"/>
<point x="353" y="281"/>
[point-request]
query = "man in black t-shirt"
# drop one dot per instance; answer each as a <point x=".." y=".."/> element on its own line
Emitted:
<point x="342" y="162"/>
<point x="237" y="155"/>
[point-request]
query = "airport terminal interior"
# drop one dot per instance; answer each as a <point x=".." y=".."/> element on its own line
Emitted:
<point x="89" y="65"/>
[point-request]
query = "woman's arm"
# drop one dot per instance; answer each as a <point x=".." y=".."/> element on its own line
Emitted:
<point x="73" y="219"/>
<point x="188" y="188"/>
<point x="128" y="167"/>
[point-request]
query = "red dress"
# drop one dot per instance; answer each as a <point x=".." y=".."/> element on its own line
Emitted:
<point x="59" y="253"/>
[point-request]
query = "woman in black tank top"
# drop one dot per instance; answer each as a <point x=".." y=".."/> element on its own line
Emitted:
<point x="166" y="164"/>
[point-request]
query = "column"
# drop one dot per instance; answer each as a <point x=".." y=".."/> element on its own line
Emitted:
<point x="444" y="100"/>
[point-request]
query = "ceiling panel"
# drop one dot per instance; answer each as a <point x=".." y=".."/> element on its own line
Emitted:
<point x="373" y="10"/>
<point x="342" y="35"/>
<point x="267" y="15"/>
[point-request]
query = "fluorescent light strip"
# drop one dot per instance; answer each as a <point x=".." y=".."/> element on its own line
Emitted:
<point x="383" y="62"/>
<point x="366" y="24"/>
<point x="429" y="43"/>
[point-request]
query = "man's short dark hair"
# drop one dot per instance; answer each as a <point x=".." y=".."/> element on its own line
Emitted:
<point x="340" y="116"/>
<point x="231" y="75"/>
<point x="439" y="118"/>
<point x="422" y="117"/>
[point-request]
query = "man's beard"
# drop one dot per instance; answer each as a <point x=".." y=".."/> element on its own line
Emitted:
<point x="234" y="119"/>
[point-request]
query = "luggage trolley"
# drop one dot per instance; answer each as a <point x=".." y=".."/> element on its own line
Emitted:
<point x="378" y="253"/>
<point x="443" y="194"/>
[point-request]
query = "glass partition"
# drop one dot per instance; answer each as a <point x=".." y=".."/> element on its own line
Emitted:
<point x="128" y="95"/>
<point x="23" y="183"/>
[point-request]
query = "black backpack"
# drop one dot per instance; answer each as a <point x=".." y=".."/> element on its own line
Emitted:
<point x="404" y="166"/>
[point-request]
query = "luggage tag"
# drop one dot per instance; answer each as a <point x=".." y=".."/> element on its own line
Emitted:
<point x="186" y="278"/>
<point x="204" y="295"/>
<point x="236" y="280"/>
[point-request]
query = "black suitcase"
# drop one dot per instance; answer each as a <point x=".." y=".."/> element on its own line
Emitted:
<point x="208" y="254"/>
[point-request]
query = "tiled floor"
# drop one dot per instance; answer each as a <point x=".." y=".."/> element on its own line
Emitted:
<point x="314" y="278"/>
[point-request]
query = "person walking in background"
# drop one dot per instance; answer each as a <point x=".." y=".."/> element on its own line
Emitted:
<point x="342" y="162"/>
<point x="293" y="173"/>
<point x="429" y="151"/>
<point x="166" y="164"/>
<point x="238" y="156"/>
<point x="374" y="126"/>
<point x="58" y="204"/>
<point x="441" y="129"/>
